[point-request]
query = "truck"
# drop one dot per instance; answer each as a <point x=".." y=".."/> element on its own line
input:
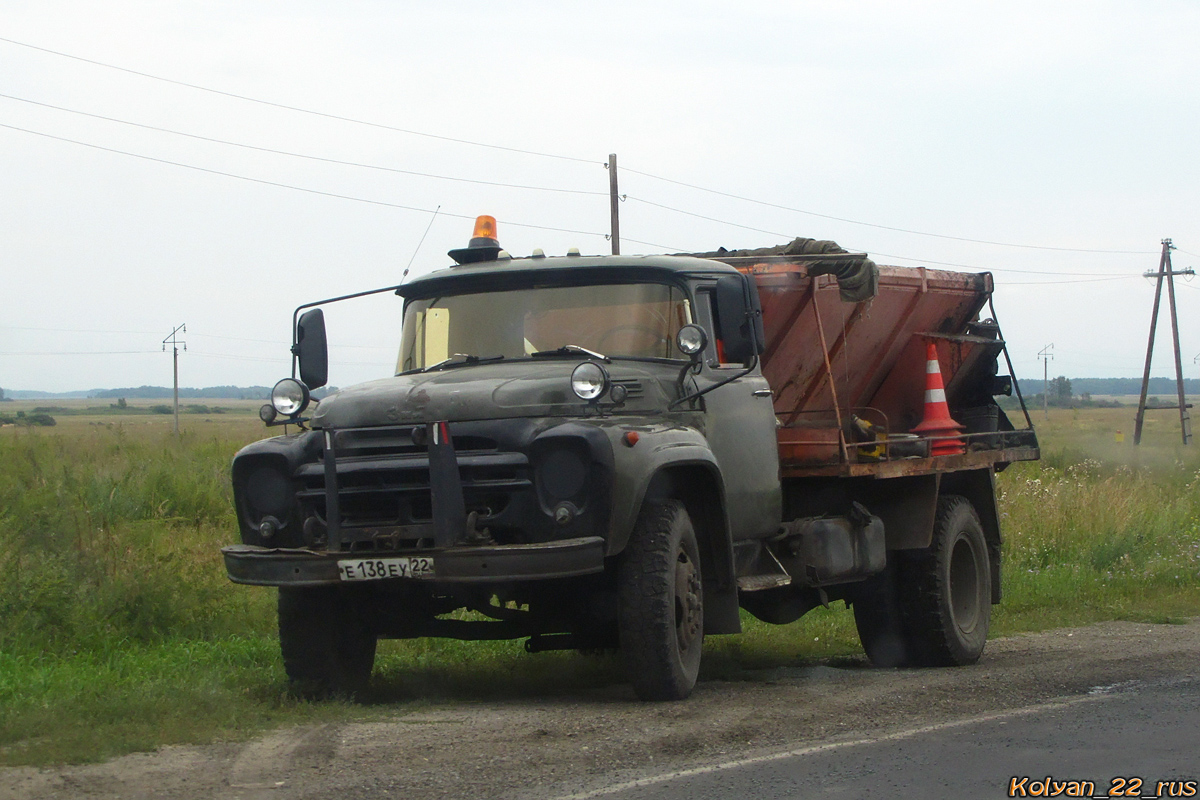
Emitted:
<point x="600" y="452"/>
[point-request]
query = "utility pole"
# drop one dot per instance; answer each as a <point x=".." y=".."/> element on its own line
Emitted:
<point x="175" y="344"/>
<point x="613" y="200"/>
<point x="1164" y="271"/>
<point x="1046" y="356"/>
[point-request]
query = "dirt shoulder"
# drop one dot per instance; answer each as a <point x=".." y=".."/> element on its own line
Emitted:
<point x="545" y="749"/>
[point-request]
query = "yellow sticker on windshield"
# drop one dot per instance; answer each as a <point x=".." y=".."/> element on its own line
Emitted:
<point x="437" y="335"/>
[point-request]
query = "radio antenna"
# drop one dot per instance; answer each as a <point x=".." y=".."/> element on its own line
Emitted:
<point x="404" y="274"/>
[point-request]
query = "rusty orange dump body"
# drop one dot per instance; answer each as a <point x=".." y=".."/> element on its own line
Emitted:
<point x="849" y="379"/>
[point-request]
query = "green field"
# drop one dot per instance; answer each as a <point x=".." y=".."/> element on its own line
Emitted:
<point x="119" y="631"/>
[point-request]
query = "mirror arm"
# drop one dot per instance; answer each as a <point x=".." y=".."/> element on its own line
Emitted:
<point x="717" y="385"/>
<point x="695" y="365"/>
<point x="296" y="314"/>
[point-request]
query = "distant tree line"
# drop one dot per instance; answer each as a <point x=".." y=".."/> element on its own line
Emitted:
<point x="1062" y="392"/>
<point x="209" y="392"/>
<point x="1091" y="386"/>
<point x="166" y="392"/>
<point x="160" y="393"/>
<point x="21" y="418"/>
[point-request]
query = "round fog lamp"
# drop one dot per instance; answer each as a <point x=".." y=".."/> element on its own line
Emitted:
<point x="289" y="397"/>
<point x="589" y="381"/>
<point x="691" y="339"/>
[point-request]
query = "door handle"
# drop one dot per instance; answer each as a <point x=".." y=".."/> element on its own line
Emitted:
<point x="761" y="393"/>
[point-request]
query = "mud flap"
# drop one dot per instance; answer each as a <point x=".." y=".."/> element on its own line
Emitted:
<point x="721" y="609"/>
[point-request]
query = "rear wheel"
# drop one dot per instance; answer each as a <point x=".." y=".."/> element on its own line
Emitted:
<point x="930" y="607"/>
<point x="661" y="604"/>
<point x="947" y="590"/>
<point x="326" y="645"/>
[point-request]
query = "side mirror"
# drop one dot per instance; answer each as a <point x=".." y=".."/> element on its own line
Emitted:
<point x="311" y="349"/>
<point x="739" y="318"/>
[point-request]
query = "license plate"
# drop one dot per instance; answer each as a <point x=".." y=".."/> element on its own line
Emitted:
<point x="377" y="569"/>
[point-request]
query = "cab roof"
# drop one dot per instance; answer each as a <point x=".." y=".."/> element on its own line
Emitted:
<point x="507" y="273"/>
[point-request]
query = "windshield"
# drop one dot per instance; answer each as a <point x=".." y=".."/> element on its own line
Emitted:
<point x="630" y="320"/>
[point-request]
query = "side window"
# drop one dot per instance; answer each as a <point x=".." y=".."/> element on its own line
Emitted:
<point x="706" y="300"/>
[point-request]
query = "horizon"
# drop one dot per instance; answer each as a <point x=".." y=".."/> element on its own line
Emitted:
<point x="85" y="394"/>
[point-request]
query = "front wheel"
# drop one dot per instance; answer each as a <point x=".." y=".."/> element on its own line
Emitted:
<point x="661" y="603"/>
<point x="327" y="646"/>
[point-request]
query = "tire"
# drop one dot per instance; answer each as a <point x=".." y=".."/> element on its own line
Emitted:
<point x="946" y="591"/>
<point x="879" y="620"/>
<point x="660" y="614"/>
<point x="326" y="645"/>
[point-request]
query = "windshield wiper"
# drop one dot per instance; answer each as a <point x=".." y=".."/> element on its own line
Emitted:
<point x="454" y="361"/>
<point x="567" y="349"/>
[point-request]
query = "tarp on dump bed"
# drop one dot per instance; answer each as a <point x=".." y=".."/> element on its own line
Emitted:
<point x="857" y="275"/>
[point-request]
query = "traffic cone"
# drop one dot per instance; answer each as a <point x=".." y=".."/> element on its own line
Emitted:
<point x="937" y="422"/>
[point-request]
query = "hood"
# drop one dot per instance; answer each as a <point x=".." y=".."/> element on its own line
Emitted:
<point x="522" y="388"/>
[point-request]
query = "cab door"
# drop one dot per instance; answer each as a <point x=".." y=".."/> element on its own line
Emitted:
<point x="739" y="423"/>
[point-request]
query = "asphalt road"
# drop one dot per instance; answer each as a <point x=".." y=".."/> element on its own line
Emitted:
<point x="1134" y="739"/>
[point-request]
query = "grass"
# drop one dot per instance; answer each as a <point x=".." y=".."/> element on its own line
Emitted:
<point x="119" y="631"/>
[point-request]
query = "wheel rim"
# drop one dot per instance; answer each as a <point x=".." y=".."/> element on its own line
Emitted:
<point x="687" y="602"/>
<point x="965" y="583"/>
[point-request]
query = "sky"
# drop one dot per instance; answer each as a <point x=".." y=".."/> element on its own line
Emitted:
<point x="331" y="146"/>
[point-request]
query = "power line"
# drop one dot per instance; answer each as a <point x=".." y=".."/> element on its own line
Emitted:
<point x="322" y="159"/>
<point x="284" y="359"/>
<point x="884" y="255"/>
<point x="70" y="330"/>
<point x="231" y="357"/>
<point x="312" y="191"/>
<point x="290" y="186"/>
<point x="702" y="216"/>
<point x="298" y="109"/>
<point x="472" y="143"/>
<point x="194" y="353"/>
<point x="280" y="343"/>
<point x="85" y="353"/>
<point x="276" y="342"/>
<point x="875" y="225"/>
<point x="1076" y="280"/>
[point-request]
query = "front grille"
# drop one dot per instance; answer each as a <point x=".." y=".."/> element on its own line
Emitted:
<point x="398" y="440"/>
<point x="383" y="484"/>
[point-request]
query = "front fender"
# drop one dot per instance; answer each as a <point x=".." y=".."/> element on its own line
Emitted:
<point x="659" y="446"/>
<point x="675" y="461"/>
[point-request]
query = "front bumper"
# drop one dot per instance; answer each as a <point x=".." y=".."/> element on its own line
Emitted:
<point x="565" y="558"/>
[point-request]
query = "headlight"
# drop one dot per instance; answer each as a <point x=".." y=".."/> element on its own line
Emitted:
<point x="589" y="381"/>
<point x="562" y="475"/>
<point x="691" y="339"/>
<point x="289" y="397"/>
<point x="268" y="493"/>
